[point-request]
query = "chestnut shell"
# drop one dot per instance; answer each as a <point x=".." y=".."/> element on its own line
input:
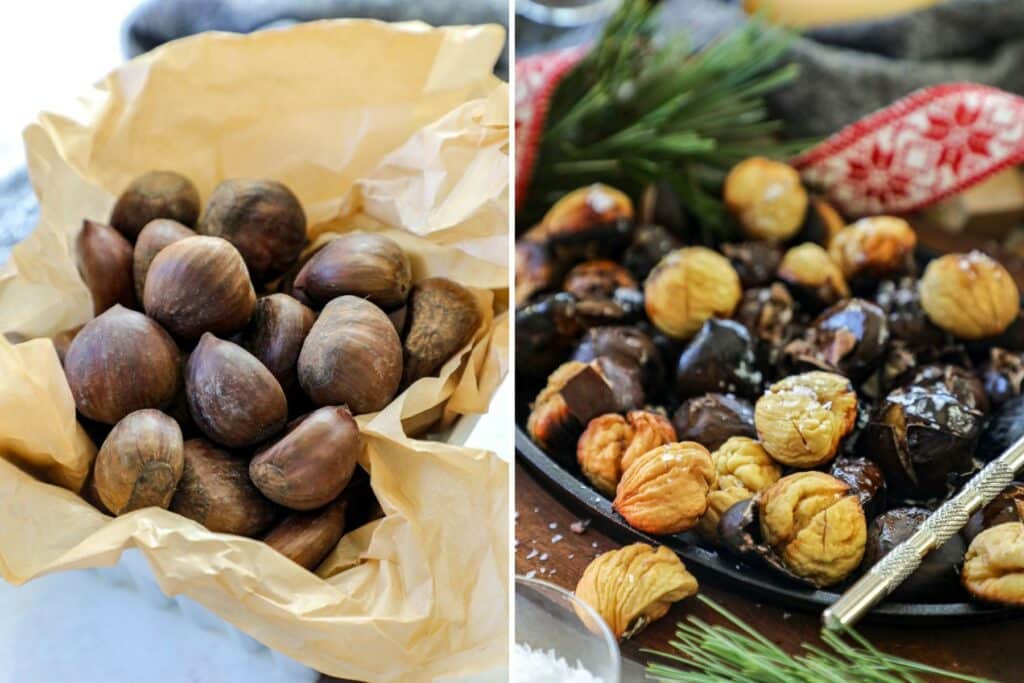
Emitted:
<point x="156" y="194"/>
<point x="442" y="318"/>
<point x="306" y="538"/>
<point x="275" y="334"/>
<point x="713" y="419"/>
<point x="719" y="359"/>
<point x="367" y="265"/>
<point x="154" y="237"/>
<point x="937" y="576"/>
<point x="105" y="263"/>
<point x="849" y="337"/>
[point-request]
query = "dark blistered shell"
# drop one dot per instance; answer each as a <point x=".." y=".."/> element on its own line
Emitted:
<point x="626" y="380"/>
<point x="962" y="383"/>
<point x="770" y="315"/>
<point x="1008" y="506"/>
<point x="755" y="262"/>
<point x="624" y="307"/>
<point x="739" y="532"/>
<point x="660" y="205"/>
<point x="651" y="244"/>
<point x="849" y="338"/>
<point x="1003" y="375"/>
<point x="938" y="575"/>
<point x="1004" y="427"/>
<point x="597" y="280"/>
<point x="713" y="419"/>
<point x="866" y="481"/>
<point x="545" y="331"/>
<point x="626" y="342"/>
<point x="908" y="323"/>
<point x="719" y="359"/>
<point x="535" y="269"/>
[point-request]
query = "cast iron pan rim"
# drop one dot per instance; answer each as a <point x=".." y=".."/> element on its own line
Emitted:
<point x="585" y="500"/>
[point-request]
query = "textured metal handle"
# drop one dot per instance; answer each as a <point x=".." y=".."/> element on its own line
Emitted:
<point x="900" y="563"/>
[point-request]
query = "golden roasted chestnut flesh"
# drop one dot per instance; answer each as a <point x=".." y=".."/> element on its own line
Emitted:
<point x="994" y="565"/>
<point x="367" y="265"/>
<point x="688" y="287"/>
<point x="157" y="194"/>
<point x="971" y="296"/>
<point x="874" y="248"/>
<point x="813" y="277"/>
<point x="611" y="443"/>
<point x="588" y="223"/>
<point x="665" y="490"/>
<point x="743" y="468"/>
<point x="105" y="263"/>
<point x="767" y="198"/>
<point x="140" y="462"/>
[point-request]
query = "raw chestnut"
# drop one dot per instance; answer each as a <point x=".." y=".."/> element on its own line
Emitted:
<point x="157" y="194"/>
<point x="105" y="263"/>
<point x="766" y="197"/>
<point x="611" y="443"/>
<point x="140" y="462"/>
<point x="121" y="362"/>
<point x="743" y="469"/>
<point x="937" y="576"/>
<point x="366" y="265"/>
<point x="306" y="538"/>
<point x="713" y="419"/>
<point x="199" y="284"/>
<point x="865" y="480"/>
<point x="588" y="223"/>
<point x="923" y="438"/>
<point x="262" y="218"/>
<point x="1008" y="506"/>
<point x="688" y="287"/>
<point x="352" y="356"/>
<point x="155" y="236"/>
<point x="1003" y="375"/>
<point x="665" y="490"/>
<point x="215" y="491"/>
<point x="849" y="337"/>
<point x="971" y="296"/>
<point x="442" y="318"/>
<point x="994" y="565"/>
<point x="719" y="359"/>
<point x="754" y="262"/>
<point x="232" y="397"/>
<point x="813" y="278"/>
<point x="873" y="248"/>
<point x="651" y="244"/>
<point x="275" y="333"/>
<point x="310" y="465"/>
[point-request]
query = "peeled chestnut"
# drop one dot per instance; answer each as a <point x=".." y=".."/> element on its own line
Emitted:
<point x="865" y="480"/>
<point x="1008" y="506"/>
<point x="575" y="394"/>
<point x="874" y="247"/>
<point x="971" y="296"/>
<point x="1003" y="375"/>
<point x="813" y="278"/>
<point x="719" y="359"/>
<point x="366" y="265"/>
<point x="713" y="419"/>
<point x="610" y="444"/>
<point x="157" y="194"/>
<point x="849" y="337"/>
<point x="215" y="491"/>
<point x="199" y="284"/>
<point x="352" y="356"/>
<point x="442" y="318"/>
<point x="306" y="538"/>
<point x="994" y="565"/>
<point x="262" y="218"/>
<point x="275" y="333"/>
<point x="766" y="197"/>
<point x="743" y="469"/>
<point x="588" y="223"/>
<point x="232" y="397"/>
<point x="155" y="236"/>
<point x="105" y="263"/>
<point x="310" y="465"/>
<point x="140" y="462"/>
<point x="121" y="362"/>
<point x="754" y="262"/>
<point x="689" y="286"/>
<point x="937" y="575"/>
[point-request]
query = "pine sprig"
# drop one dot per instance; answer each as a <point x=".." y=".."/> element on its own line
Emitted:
<point x="637" y="110"/>
<point x="709" y="654"/>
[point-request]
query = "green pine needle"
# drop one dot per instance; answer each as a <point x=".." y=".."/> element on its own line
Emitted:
<point x="636" y="110"/>
<point x="703" y="653"/>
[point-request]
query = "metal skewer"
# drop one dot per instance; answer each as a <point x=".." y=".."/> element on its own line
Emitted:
<point x="900" y="563"/>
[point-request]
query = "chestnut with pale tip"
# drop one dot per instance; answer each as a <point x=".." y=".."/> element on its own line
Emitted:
<point x="233" y="398"/>
<point x="442" y="318"/>
<point x="105" y="264"/>
<point x="157" y="234"/>
<point x="120" y="362"/>
<point x="199" y="284"/>
<point x="140" y="462"/>
<point x="366" y="265"/>
<point x="310" y="465"/>
<point x="156" y="194"/>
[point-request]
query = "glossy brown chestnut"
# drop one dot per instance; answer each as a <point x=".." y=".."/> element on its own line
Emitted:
<point x="262" y="218"/>
<point x="597" y="280"/>
<point x="1008" y="506"/>
<point x="650" y="244"/>
<point x="121" y="362"/>
<point x="306" y="538"/>
<point x="199" y="284"/>
<point x="626" y="343"/>
<point x="849" y="337"/>
<point x="865" y="479"/>
<point x="901" y="301"/>
<point x="720" y="359"/>
<point x="275" y="333"/>
<point x="157" y="194"/>
<point x="155" y="236"/>
<point x="713" y="419"/>
<point x="556" y="420"/>
<point x="215" y="491"/>
<point x="442" y="318"/>
<point x="755" y="262"/>
<point x="140" y="462"/>
<point x="232" y="396"/>
<point x="536" y="270"/>
<point x="546" y="329"/>
<point x="766" y="197"/>
<point x="937" y="576"/>
<point x="626" y="381"/>
<point x="366" y="265"/>
<point x="352" y="356"/>
<point x="310" y="465"/>
<point x="963" y="384"/>
<point x="105" y="264"/>
<point x="1005" y="426"/>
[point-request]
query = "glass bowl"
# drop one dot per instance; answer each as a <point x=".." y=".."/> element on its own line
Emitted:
<point x="552" y="618"/>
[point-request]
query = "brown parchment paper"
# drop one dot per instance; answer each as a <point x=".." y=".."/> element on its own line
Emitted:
<point x="394" y="128"/>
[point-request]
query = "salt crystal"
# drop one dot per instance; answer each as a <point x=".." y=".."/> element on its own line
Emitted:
<point x="579" y="526"/>
<point x="532" y="554"/>
<point x="530" y="574"/>
<point x="545" y="666"/>
<point x="553" y="526"/>
<point x="556" y="538"/>
<point x="543" y="557"/>
<point x="594" y="544"/>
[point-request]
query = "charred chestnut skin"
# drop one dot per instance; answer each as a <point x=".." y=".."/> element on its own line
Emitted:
<point x="156" y="235"/>
<point x="625" y="343"/>
<point x="1003" y="375"/>
<point x="306" y="538"/>
<point x="1008" y="506"/>
<point x="310" y="465"/>
<point x="963" y="384"/>
<point x="262" y="218"/>
<point x="866" y="481"/>
<point x="597" y="280"/>
<point x="275" y="334"/>
<point x="121" y="362"/>
<point x="770" y="316"/>
<point x="650" y="244"/>
<point x="545" y="332"/>
<point x="901" y="301"/>
<point x="713" y="419"/>
<point x="755" y="262"/>
<point x="588" y="223"/>
<point x="849" y="337"/>
<point x="536" y="270"/>
<point x="937" y="575"/>
<point x="105" y="263"/>
<point x="442" y="318"/>
<point x="626" y="381"/>
<point x="1004" y="427"/>
<point x="366" y="265"/>
<point x="157" y="194"/>
<point x="720" y="359"/>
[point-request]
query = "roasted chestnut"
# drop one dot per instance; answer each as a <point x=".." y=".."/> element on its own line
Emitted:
<point x="823" y="223"/>
<point x="769" y="314"/>
<point x="306" y="538"/>
<point x="352" y="356"/>
<point x="232" y="396"/>
<point x="1008" y="506"/>
<point x="994" y="565"/>
<point x="597" y="280"/>
<point x="901" y="301"/>
<point x="660" y="205"/>
<point x="739" y="530"/>
<point x="651" y="244"/>
<point x="766" y="197"/>
<point x="442" y="318"/>
<point x="625" y="379"/>
<point x="874" y="248"/>
<point x="121" y="362"/>
<point x="937" y="575"/>
<point x="199" y="284"/>
<point x="813" y="278"/>
<point x="588" y="223"/>
<point x="140" y="462"/>
<point x="310" y="465"/>
<point x="155" y="236"/>
<point x="157" y="194"/>
<point x="865" y="479"/>
<point x="575" y="394"/>
<point x="215" y="491"/>
<point x="755" y="262"/>
<point x="713" y="419"/>
<point x="262" y="218"/>
<point x="626" y="343"/>
<point x="1003" y="375"/>
<point x="275" y="334"/>
<point x="963" y="384"/>
<point x="971" y="296"/>
<point x="720" y="359"/>
<point x="743" y="469"/>
<point x="665" y="490"/>
<point x="366" y="265"/>
<point x="105" y="263"/>
<point x="536" y="270"/>
<point x="611" y="443"/>
<point x="1004" y="427"/>
<point x="689" y="286"/>
<point x="802" y="419"/>
<point x="923" y="438"/>
<point x="849" y="337"/>
<point x="545" y="331"/>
